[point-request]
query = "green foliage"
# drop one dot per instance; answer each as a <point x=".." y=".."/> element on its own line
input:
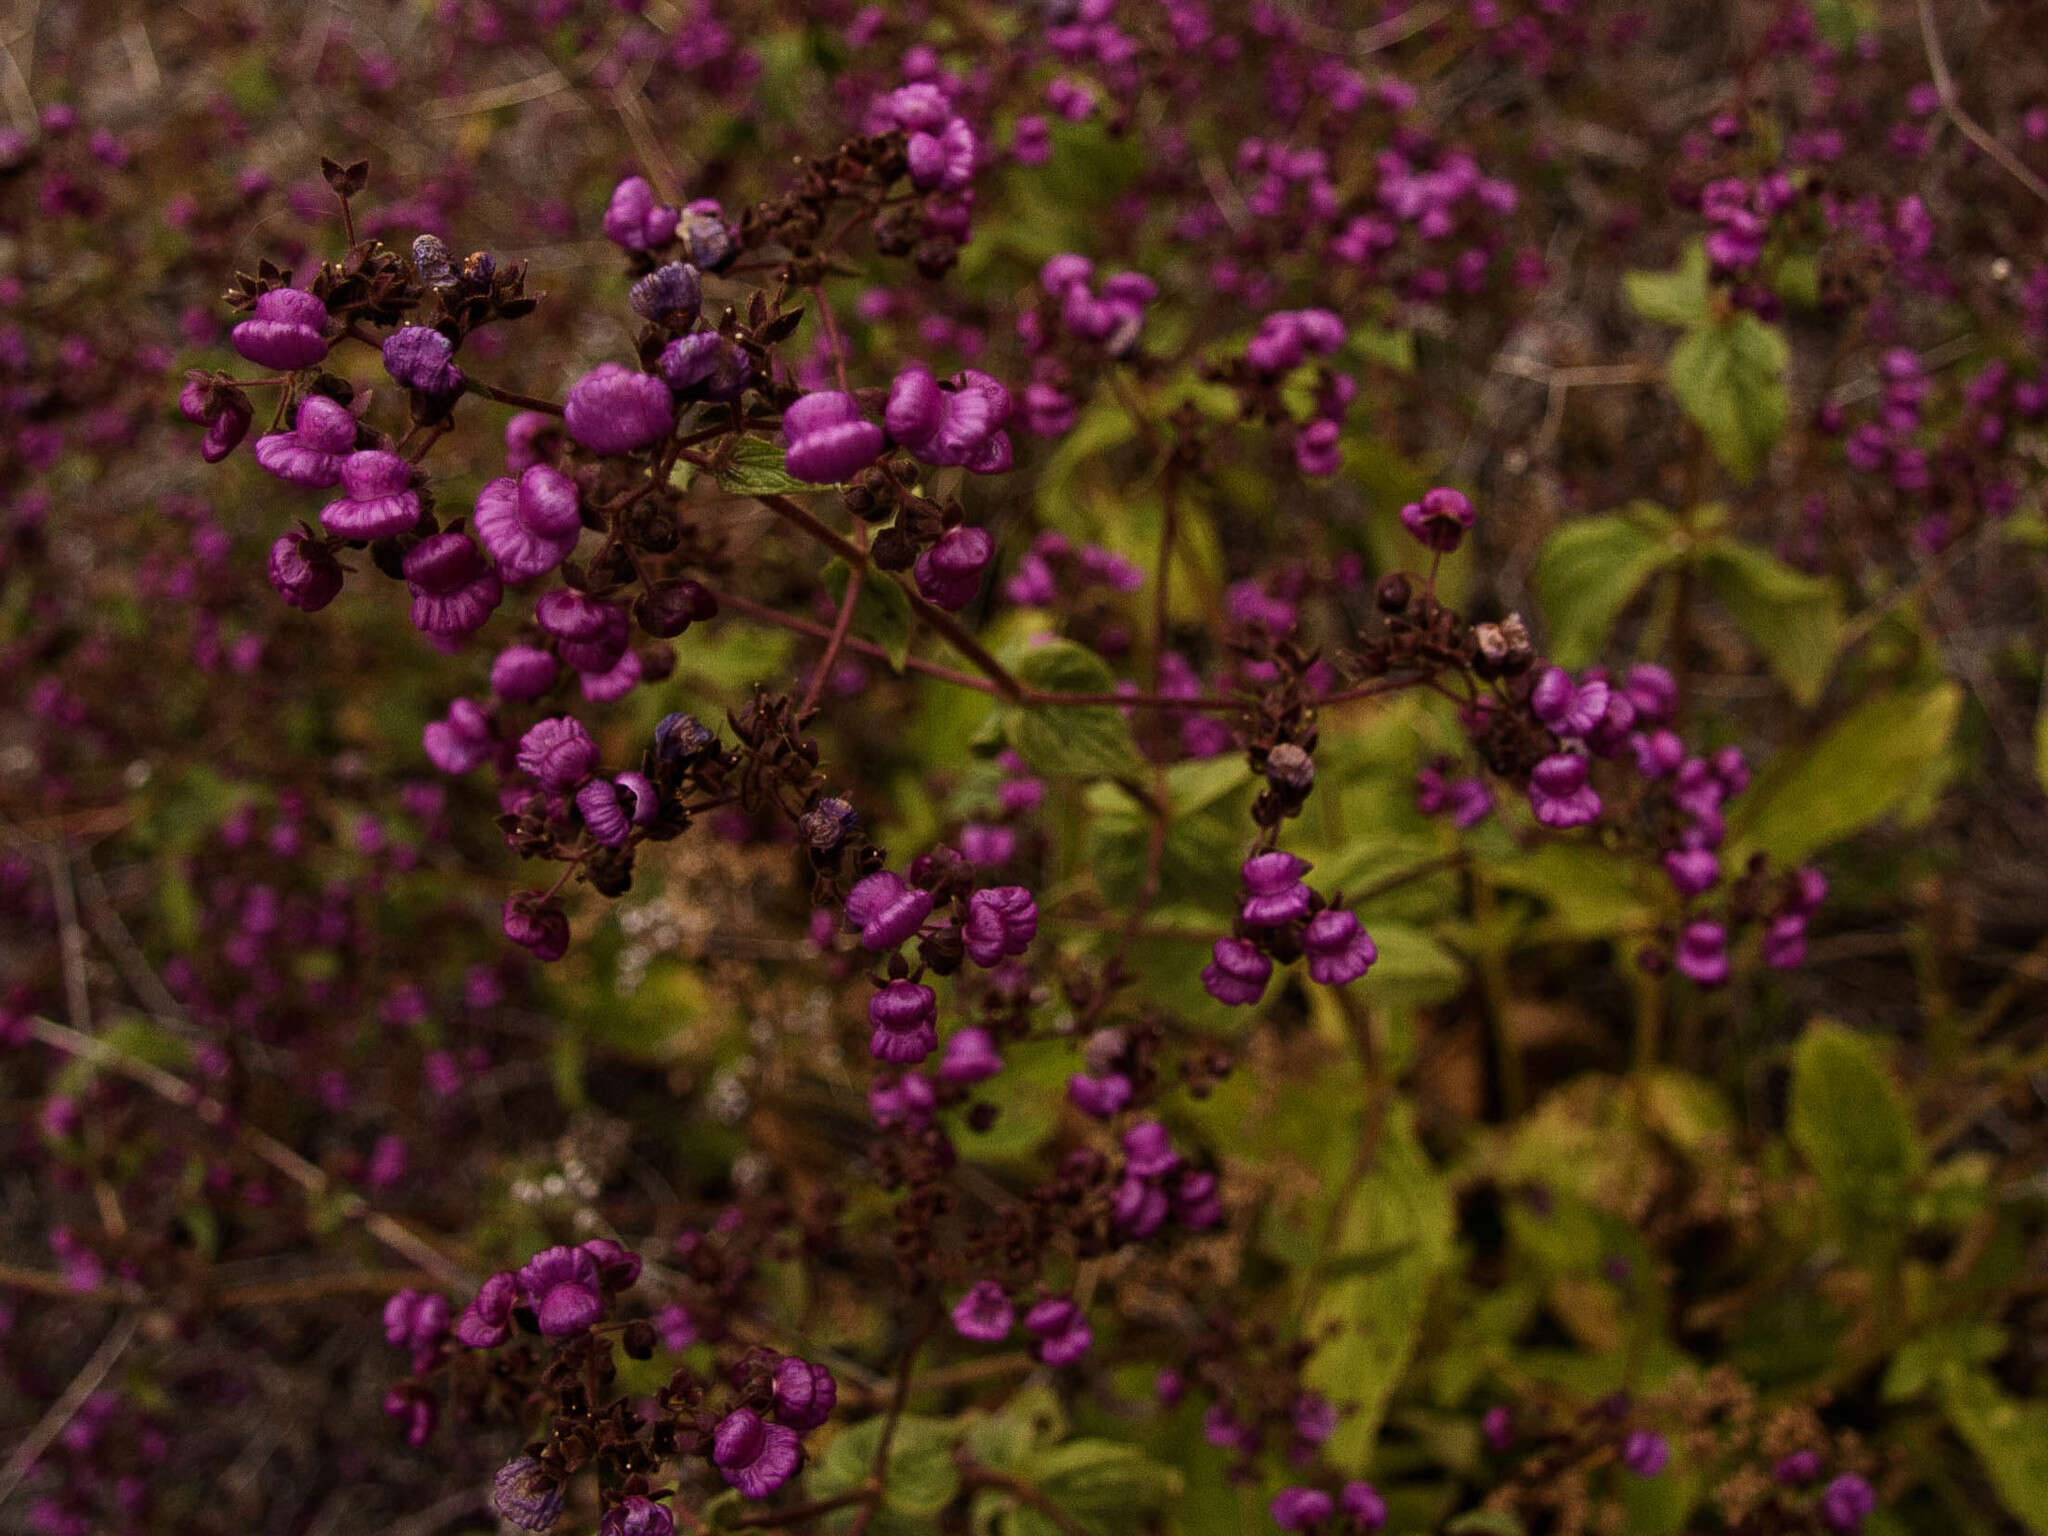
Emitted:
<point x="1864" y="768"/>
<point x="1731" y="380"/>
<point x="883" y="615"/>
<point x="1589" y="570"/>
<point x="2009" y="1436"/>
<point x="1072" y="740"/>
<point x="755" y="467"/>
<point x="1851" y="1125"/>
<point x="1389" y="1242"/>
<point x="1728" y="369"/>
<point x="1794" y="620"/>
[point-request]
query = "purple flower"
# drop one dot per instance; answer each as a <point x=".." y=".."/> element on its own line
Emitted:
<point x="454" y="590"/>
<point x="1784" y="946"/>
<point x="598" y="804"/>
<point x="1657" y="753"/>
<point x="1798" y="1469"/>
<point x="1559" y="793"/>
<point x="310" y="455"/>
<point x="828" y="440"/>
<point x="1099" y="1097"/>
<point x="1001" y="920"/>
<point x="886" y="910"/>
<point x="523" y="673"/>
<point x="906" y="1100"/>
<point x="1498" y="1425"/>
<point x="636" y="1516"/>
<point x="524" y="1493"/>
<point x="639" y="797"/>
<point x="1361" y="1501"/>
<point x="1236" y="973"/>
<point x="984" y="1314"/>
<point x="1062" y="1332"/>
<point x="577" y="619"/>
<point x="1440" y="520"/>
<point x="1571" y="710"/>
<point x="705" y="365"/>
<point x="524" y="435"/>
<point x="987" y="845"/>
<point x="805" y="1394"/>
<point x="1296" y="1509"/>
<point x="303" y="572"/>
<point x="540" y="927"/>
<point x="462" y="741"/>
<point x="618" y="1267"/>
<point x="1653" y="691"/>
<point x="668" y="292"/>
<point x="1196" y="1202"/>
<point x="1703" y="954"/>
<point x="487" y="1321"/>
<point x="564" y="1289"/>
<point x="1275" y="892"/>
<point x="1138" y="1209"/>
<point x="530" y="524"/>
<point x="422" y="359"/>
<point x="904" y="1017"/>
<point x="942" y="161"/>
<point x="1338" y="947"/>
<point x="961" y="425"/>
<point x="1319" y="449"/>
<point x="1148" y="1150"/>
<point x="612" y="409"/>
<point x="635" y="220"/>
<point x="753" y="1455"/>
<point x="970" y="1057"/>
<point x="1692" y="870"/>
<point x="287" y="331"/>
<point x="1847" y="1502"/>
<point x="949" y="573"/>
<point x="378" y="500"/>
<point x="415" y="1320"/>
<point x="1645" y="1453"/>
<point x="558" y="752"/>
<point x="222" y="408"/>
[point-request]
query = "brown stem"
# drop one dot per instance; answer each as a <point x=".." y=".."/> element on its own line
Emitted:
<point x="511" y="397"/>
<point x="840" y="629"/>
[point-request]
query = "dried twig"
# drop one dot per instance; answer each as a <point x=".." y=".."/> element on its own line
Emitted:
<point x="60" y="1413"/>
<point x="1952" y="106"/>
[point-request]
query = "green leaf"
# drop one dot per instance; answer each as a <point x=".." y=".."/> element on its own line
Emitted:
<point x="1590" y="893"/>
<point x="2009" y="1437"/>
<point x="1731" y="380"/>
<point x="1486" y="1522"/>
<point x="921" y="1478"/>
<point x="1029" y="1421"/>
<point x="1864" y="768"/>
<point x="756" y="468"/>
<point x="1370" y="1320"/>
<point x="1678" y="297"/>
<point x="1105" y="1484"/>
<point x="883" y="614"/>
<point x="1083" y="740"/>
<point x="1794" y="620"/>
<point x="1589" y="570"/>
<point x="1921" y="1362"/>
<point x="1851" y="1125"/>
